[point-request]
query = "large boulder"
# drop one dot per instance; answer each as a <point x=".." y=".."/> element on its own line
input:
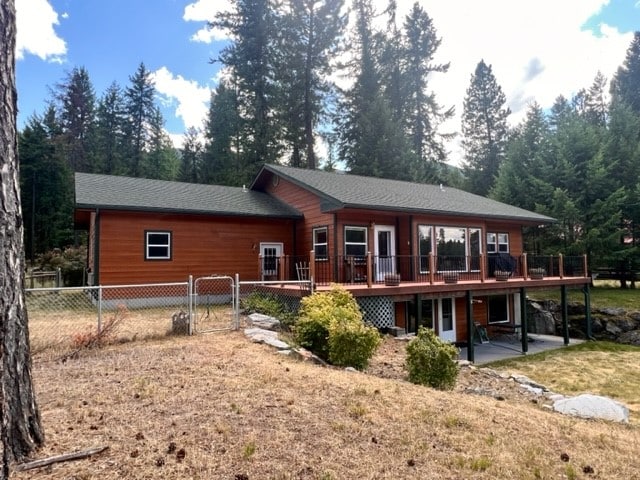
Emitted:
<point x="593" y="406"/>
<point x="541" y="320"/>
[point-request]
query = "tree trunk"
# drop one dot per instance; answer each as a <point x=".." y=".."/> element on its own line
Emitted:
<point x="21" y="427"/>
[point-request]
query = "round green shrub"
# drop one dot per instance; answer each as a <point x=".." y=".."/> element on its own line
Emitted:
<point x="432" y="362"/>
<point x="352" y="344"/>
<point x="331" y="326"/>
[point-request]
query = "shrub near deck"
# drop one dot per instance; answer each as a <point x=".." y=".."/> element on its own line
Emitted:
<point x="331" y="326"/>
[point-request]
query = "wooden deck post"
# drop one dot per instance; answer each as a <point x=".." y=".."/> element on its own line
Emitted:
<point x="369" y="270"/>
<point x="312" y="266"/>
<point x="524" y="266"/>
<point x="584" y="265"/>
<point x="483" y="267"/>
<point x="524" y="327"/>
<point x="432" y="267"/>
<point x="561" y="265"/>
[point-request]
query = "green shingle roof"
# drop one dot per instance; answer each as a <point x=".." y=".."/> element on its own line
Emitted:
<point x="353" y="191"/>
<point x="126" y="193"/>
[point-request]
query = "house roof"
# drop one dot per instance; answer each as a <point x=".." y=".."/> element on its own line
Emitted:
<point x="126" y="193"/>
<point x="339" y="191"/>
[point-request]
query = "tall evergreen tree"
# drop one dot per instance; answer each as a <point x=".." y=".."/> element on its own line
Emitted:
<point x="423" y="113"/>
<point x="250" y="59"/>
<point x="161" y="158"/>
<point x="625" y="86"/>
<point x="191" y="158"/>
<point x="47" y="184"/>
<point x="141" y="111"/>
<point x="371" y="143"/>
<point x="308" y="40"/>
<point x="77" y="115"/>
<point x="596" y="104"/>
<point x="484" y="129"/>
<point x="224" y="150"/>
<point x="110" y="132"/>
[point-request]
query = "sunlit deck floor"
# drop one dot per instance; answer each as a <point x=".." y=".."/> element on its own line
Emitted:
<point x="507" y="346"/>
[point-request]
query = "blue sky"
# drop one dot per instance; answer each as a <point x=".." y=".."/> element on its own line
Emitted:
<point x="538" y="49"/>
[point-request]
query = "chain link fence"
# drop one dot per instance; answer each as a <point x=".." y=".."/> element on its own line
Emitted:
<point x="63" y="320"/>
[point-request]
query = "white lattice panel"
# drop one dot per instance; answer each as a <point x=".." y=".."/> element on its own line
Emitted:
<point x="378" y="311"/>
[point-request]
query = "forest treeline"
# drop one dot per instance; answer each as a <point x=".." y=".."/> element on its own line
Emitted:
<point x="283" y="93"/>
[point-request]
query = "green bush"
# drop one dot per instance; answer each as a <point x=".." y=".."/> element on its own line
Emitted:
<point x="432" y="362"/>
<point x="268" y="304"/>
<point x="331" y="326"/>
<point x="71" y="261"/>
<point x="352" y="344"/>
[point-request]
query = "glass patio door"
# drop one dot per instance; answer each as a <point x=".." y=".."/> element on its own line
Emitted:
<point x="384" y="251"/>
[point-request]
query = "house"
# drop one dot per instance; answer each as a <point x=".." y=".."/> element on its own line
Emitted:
<point x="412" y="254"/>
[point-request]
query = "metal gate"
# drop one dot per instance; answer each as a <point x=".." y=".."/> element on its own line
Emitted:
<point x="214" y="304"/>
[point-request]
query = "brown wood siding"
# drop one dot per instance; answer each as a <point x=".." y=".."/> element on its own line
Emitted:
<point x="201" y="245"/>
<point x="309" y="205"/>
<point x="401" y="314"/>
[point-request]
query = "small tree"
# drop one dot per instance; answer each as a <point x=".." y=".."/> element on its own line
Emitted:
<point x="432" y="362"/>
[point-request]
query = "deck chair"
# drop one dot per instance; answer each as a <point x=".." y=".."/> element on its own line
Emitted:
<point x="480" y="335"/>
<point x="303" y="273"/>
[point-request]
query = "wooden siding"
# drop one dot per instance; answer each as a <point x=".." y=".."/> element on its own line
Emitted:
<point x="309" y="205"/>
<point x="201" y="245"/>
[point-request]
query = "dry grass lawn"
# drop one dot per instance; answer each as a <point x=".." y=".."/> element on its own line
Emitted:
<point x="219" y="407"/>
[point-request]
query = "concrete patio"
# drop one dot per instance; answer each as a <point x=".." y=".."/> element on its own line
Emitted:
<point x="508" y="346"/>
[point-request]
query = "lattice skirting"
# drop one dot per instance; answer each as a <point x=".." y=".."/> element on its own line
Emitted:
<point x="378" y="311"/>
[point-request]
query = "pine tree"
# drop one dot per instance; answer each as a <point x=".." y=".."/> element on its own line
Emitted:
<point x="484" y="129"/>
<point x="423" y="115"/>
<point x="161" y="159"/>
<point x="250" y="60"/>
<point x="371" y="143"/>
<point x="77" y="115"/>
<point x="310" y="31"/>
<point x="110" y="132"/>
<point x="596" y="104"/>
<point x="224" y="150"/>
<point x="140" y="108"/>
<point x="191" y="159"/>
<point x="625" y="86"/>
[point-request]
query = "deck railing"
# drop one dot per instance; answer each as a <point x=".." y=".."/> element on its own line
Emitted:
<point x="431" y="269"/>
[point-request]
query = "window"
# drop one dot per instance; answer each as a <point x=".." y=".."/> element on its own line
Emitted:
<point x="451" y="248"/>
<point x="425" y="246"/>
<point x="475" y="248"/>
<point x="157" y="246"/>
<point x="497" y="243"/>
<point x="355" y="242"/>
<point x="498" y="309"/>
<point x="320" y="243"/>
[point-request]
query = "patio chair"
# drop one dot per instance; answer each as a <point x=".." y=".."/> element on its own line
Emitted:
<point x="303" y="273"/>
<point x="480" y="335"/>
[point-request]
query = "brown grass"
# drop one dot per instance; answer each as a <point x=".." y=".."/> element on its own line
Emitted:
<point x="218" y="406"/>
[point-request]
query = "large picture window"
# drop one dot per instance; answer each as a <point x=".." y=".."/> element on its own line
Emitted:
<point x="320" y="243"/>
<point x="355" y="242"/>
<point x="157" y="246"/>
<point x="451" y="245"/>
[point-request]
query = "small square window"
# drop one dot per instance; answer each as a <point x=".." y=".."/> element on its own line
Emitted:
<point x="157" y="246"/>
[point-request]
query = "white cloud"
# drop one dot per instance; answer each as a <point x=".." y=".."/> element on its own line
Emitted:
<point x="35" y="31"/>
<point x="191" y="98"/>
<point x="205" y="11"/>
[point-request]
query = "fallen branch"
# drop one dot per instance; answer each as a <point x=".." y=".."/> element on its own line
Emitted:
<point x="59" y="458"/>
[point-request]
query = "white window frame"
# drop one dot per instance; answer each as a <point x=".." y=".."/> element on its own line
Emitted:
<point x="165" y="245"/>
<point x="496" y="240"/>
<point x="365" y="243"/>
<point x="317" y="244"/>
